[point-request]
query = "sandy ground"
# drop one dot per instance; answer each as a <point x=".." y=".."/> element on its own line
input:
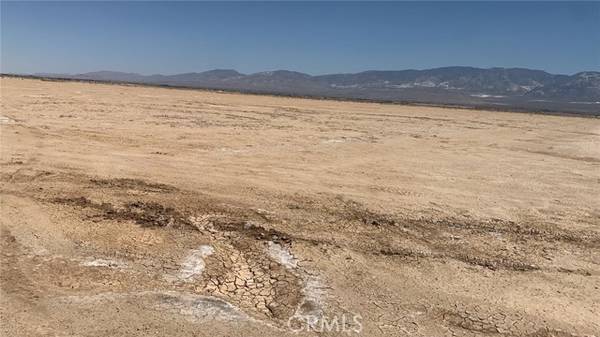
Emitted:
<point x="137" y="211"/>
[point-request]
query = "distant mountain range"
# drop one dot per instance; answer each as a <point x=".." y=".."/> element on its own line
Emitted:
<point x="494" y="87"/>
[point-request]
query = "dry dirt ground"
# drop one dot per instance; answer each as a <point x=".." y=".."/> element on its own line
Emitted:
<point x="138" y="211"/>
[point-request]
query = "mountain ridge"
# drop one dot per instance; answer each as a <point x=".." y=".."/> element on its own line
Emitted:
<point x="511" y="87"/>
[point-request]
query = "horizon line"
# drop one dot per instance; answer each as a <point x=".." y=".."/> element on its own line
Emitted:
<point x="295" y="71"/>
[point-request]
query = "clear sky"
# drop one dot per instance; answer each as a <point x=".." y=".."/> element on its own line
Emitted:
<point x="311" y="37"/>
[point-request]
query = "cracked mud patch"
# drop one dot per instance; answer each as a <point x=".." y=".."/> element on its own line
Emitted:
<point x="245" y="267"/>
<point x="487" y="322"/>
<point x="245" y="275"/>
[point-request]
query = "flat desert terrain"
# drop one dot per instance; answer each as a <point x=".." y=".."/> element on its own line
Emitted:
<point x="140" y="211"/>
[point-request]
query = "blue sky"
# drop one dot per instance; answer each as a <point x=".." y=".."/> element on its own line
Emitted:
<point x="312" y="37"/>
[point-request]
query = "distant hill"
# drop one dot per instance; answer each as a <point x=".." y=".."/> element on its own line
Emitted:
<point x="581" y="87"/>
<point x="494" y="87"/>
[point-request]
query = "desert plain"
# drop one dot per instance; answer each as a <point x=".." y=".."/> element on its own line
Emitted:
<point x="144" y="211"/>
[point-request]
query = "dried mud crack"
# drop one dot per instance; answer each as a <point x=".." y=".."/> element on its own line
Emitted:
<point x="239" y="270"/>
